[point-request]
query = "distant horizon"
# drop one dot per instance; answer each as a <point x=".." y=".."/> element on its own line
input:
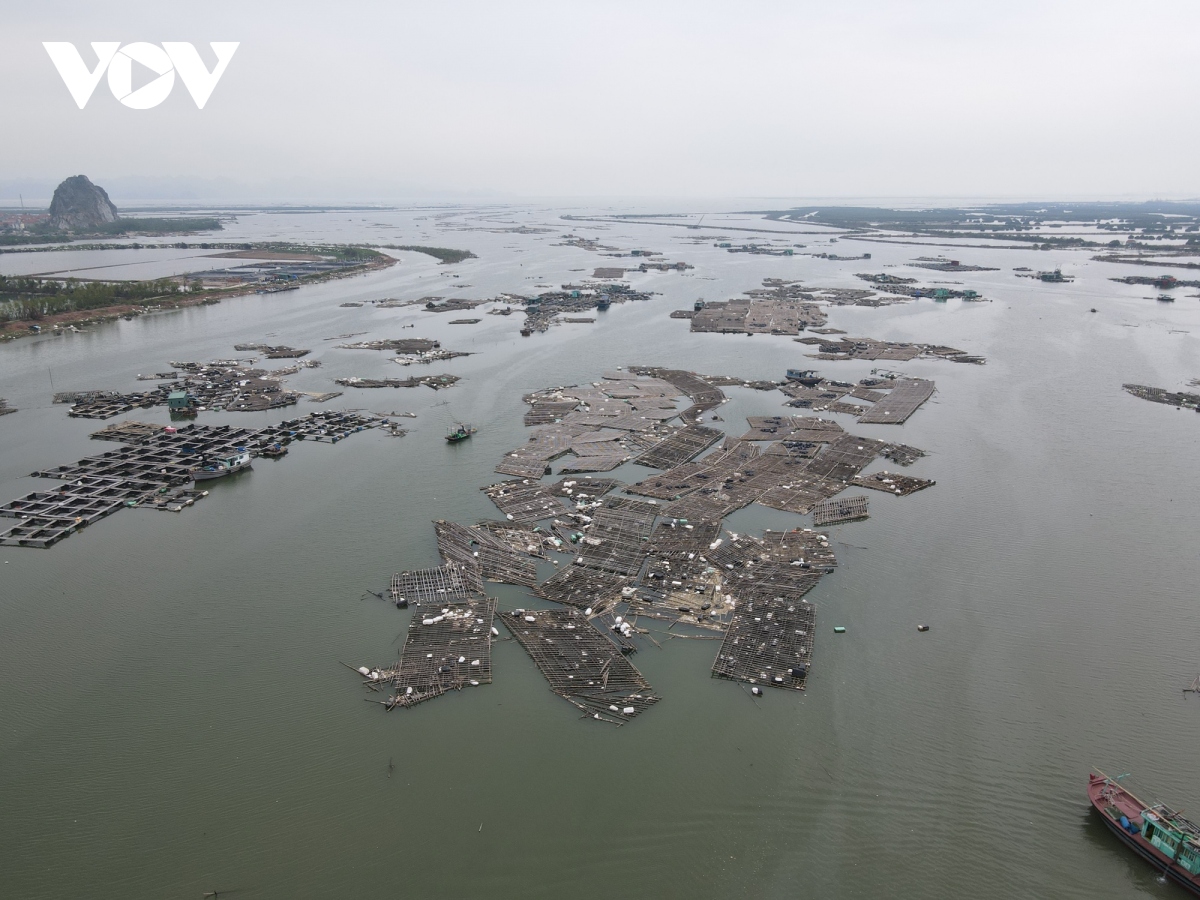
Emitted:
<point x="34" y="202"/>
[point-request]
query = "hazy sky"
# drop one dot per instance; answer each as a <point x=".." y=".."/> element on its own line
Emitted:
<point x="395" y="100"/>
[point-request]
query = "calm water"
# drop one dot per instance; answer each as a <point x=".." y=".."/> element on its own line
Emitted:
<point x="175" y="719"/>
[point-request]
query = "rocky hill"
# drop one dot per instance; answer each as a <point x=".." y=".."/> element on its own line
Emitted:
<point x="79" y="205"/>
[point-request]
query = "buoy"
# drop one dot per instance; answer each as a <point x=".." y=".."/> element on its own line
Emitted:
<point x="922" y="628"/>
<point x="839" y="629"/>
<point x="756" y="691"/>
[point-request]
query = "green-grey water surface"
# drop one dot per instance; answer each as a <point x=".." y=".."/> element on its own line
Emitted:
<point x="175" y="719"/>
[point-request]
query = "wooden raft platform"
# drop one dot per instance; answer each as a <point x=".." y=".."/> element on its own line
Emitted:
<point x="684" y="445"/>
<point x="437" y="585"/>
<point x="905" y="398"/>
<point x="616" y="539"/>
<point x="446" y="649"/>
<point x="127" y="432"/>
<point x="900" y="485"/>
<point x="841" y="509"/>
<point x="574" y="585"/>
<point x="492" y="558"/>
<point x="768" y="642"/>
<point x="581" y="664"/>
<point x="524" y="501"/>
<point x="713" y="469"/>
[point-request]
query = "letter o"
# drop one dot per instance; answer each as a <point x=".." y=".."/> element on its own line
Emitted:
<point x="120" y="75"/>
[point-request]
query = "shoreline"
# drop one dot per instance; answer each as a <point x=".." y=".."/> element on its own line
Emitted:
<point x="57" y="322"/>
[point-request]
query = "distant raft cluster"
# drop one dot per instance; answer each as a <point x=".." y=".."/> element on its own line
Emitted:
<point x="159" y="467"/>
<point x="627" y="562"/>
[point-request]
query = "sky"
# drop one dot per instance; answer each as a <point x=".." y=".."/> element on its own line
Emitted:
<point x="616" y="101"/>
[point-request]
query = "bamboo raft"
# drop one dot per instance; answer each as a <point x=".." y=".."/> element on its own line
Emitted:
<point x="575" y="585"/>
<point x="524" y="501"/>
<point x="839" y="509"/>
<point x="904" y="399"/>
<point x="581" y="664"/>
<point x="490" y="557"/>
<point x="440" y="584"/>
<point x="681" y="447"/>
<point x="900" y="485"/>
<point x="448" y="649"/>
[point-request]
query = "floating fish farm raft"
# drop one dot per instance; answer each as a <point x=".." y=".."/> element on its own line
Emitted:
<point x="447" y="649"/>
<point x="221" y="385"/>
<point x="653" y="557"/>
<point x="154" y="470"/>
<point x="1181" y="399"/>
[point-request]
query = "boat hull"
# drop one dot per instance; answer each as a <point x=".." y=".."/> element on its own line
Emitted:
<point x="202" y="475"/>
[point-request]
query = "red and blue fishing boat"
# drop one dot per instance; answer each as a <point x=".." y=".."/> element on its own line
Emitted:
<point x="1156" y="833"/>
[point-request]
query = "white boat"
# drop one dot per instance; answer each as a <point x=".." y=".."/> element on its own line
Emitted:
<point x="219" y="468"/>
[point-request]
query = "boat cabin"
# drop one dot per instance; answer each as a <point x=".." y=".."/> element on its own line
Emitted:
<point x="178" y="401"/>
<point x="1173" y="835"/>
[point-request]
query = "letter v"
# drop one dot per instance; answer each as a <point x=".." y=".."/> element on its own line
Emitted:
<point x="80" y="82"/>
<point x="198" y="80"/>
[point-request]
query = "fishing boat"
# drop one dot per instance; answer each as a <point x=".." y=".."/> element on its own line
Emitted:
<point x="1157" y="833"/>
<point x="460" y="433"/>
<point x="219" y="468"/>
<point x="806" y="377"/>
<point x="1165" y="298"/>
